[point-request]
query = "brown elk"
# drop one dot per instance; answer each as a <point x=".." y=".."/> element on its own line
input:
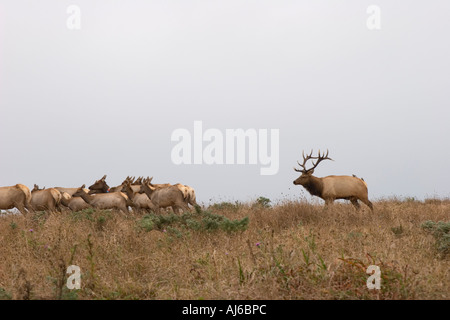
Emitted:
<point x="164" y="197"/>
<point x="100" y="186"/>
<point x="111" y="200"/>
<point x="331" y="188"/>
<point x="45" y="199"/>
<point x="188" y="192"/>
<point x="74" y="203"/>
<point x="139" y="200"/>
<point x="18" y="196"/>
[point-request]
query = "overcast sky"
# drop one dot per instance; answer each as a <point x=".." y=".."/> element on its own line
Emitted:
<point x="76" y="104"/>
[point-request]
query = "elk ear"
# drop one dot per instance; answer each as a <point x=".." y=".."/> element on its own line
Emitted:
<point x="83" y="186"/>
<point x="309" y="172"/>
<point x="104" y="177"/>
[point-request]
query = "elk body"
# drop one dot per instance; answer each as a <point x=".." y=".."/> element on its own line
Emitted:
<point x="74" y="203"/>
<point x="45" y="199"/>
<point x="188" y="192"/>
<point x="100" y="186"/>
<point x="18" y="196"/>
<point x="111" y="200"/>
<point x="331" y="188"/>
<point x="170" y="196"/>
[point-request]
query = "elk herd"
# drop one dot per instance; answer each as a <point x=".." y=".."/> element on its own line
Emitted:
<point x="140" y="194"/>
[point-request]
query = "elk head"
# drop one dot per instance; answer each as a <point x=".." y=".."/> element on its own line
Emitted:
<point x="126" y="186"/>
<point x="99" y="186"/>
<point x="147" y="188"/>
<point x="307" y="173"/>
<point x="79" y="191"/>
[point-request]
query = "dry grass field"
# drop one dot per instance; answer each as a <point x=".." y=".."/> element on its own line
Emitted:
<point x="289" y="250"/>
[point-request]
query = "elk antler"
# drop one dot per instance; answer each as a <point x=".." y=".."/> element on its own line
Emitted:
<point x="308" y="157"/>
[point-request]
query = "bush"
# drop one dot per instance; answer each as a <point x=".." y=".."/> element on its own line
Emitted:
<point x="228" y="206"/>
<point x="441" y="232"/>
<point x="198" y="221"/>
<point x="262" y="202"/>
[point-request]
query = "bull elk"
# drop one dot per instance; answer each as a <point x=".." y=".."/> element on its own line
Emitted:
<point x="331" y="188"/>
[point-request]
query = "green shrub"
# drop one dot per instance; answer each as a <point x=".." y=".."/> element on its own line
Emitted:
<point x="441" y="232"/>
<point x="4" y="295"/>
<point x="197" y="221"/>
<point x="262" y="202"/>
<point x="227" y="206"/>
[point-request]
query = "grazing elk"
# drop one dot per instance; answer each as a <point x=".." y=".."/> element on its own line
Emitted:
<point x="188" y="193"/>
<point x="111" y="200"/>
<point x="331" y="188"/>
<point x="18" y="196"/>
<point x="164" y="197"/>
<point x="45" y="199"/>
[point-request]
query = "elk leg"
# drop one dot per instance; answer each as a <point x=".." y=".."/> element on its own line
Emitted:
<point x="124" y="209"/>
<point x="368" y="203"/>
<point x="184" y="207"/>
<point x="21" y="208"/>
<point x="28" y="207"/>
<point x="51" y="207"/>
<point x="355" y="203"/>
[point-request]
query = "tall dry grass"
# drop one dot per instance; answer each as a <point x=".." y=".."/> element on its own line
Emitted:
<point x="293" y="250"/>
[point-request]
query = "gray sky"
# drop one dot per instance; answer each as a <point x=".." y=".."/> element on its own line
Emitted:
<point x="105" y="99"/>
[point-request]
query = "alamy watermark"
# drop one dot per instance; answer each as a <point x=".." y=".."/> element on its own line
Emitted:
<point x="74" y="280"/>
<point x="234" y="146"/>
<point x="374" y="281"/>
<point x="373" y="22"/>
<point x="73" y="21"/>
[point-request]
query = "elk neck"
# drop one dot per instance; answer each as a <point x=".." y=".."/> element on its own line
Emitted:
<point x="314" y="186"/>
<point x="86" y="197"/>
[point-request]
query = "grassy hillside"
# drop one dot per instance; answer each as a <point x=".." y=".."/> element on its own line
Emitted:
<point x="292" y="250"/>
